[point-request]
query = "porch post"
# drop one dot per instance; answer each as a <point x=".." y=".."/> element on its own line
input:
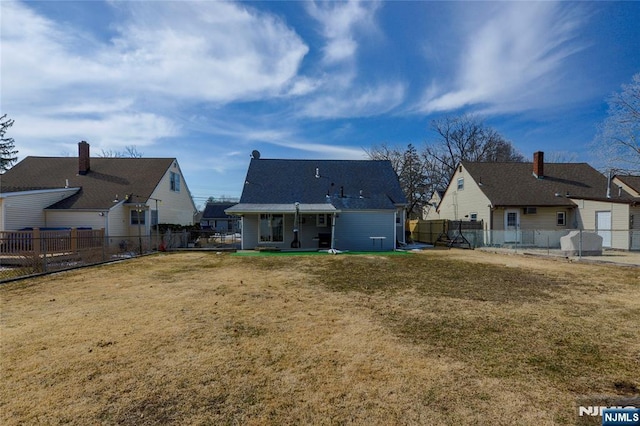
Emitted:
<point x="333" y="231"/>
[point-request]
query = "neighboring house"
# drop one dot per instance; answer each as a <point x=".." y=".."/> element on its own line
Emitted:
<point x="628" y="183"/>
<point x="512" y="198"/>
<point x="321" y="204"/>
<point x="430" y="210"/>
<point x="215" y="218"/>
<point x="123" y="196"/>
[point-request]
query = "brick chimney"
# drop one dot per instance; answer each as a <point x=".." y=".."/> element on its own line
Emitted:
<point x="83" y="158"/>
<point x="538" y="164"/>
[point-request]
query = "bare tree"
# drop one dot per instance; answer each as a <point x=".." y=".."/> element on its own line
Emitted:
<point x="410" y="167"/>
<point x="130" y="151"/>
<point x="7" y="145"/>
<point x="465" y="138"/>
<point x="618" y="139"/>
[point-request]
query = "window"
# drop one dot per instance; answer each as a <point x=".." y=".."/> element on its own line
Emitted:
<point x="138" y="217"/>
<point x="175" y="181"/>
<point x="321" y="220"/>
<point x="271" y="228"/>
<point x="154" y="217"/>
<point x="512" y="219"/>
<point x="561" y="218"/>
<point x="473" y="217"/>
<point x="460" y="184"/>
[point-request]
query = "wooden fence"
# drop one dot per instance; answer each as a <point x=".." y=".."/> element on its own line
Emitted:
<point x="430" y="231"/>
<point x="44" y="242"/>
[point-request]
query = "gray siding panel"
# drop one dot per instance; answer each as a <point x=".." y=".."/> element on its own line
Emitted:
<point x="355" y="229"/>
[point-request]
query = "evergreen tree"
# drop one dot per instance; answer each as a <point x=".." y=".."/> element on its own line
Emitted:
<point x="7" y="145"/>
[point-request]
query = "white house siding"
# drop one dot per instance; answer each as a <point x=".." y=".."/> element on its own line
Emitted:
<point x="634" y="213"/>
<point x="456" y="204"/>
<point x="25" y="210"/>
<point x="620" y="219"/>
<point x="354" y="229"/>
<point x="74" y="219"/>
<point x="118" y="221"/>
<point x="176" y="207"/>
<point x="250" y="231"/>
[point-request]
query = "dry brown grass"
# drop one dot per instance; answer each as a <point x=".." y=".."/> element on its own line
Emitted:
<point x="443" y="337"/>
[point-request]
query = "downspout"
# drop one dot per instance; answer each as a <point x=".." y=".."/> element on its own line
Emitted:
<point x="242" y="228"/>
<point x="395" y="228"/>
<point x="333" y="231"/>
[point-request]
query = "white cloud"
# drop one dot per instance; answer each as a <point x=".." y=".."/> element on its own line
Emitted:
<point x="341" y="91"/>
<point x="339" y="23"/>
<point x="211" y="51"/>
<point x="513" y="58"/>
<point x="62" y="85"/>
<point x="110" y="132"/>
<point x="356" y="102"/>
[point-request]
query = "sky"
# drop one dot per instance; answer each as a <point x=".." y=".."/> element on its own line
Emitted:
<point x="208" y="82"/>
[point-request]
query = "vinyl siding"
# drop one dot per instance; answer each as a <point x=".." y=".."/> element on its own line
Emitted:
<point x="175" y="207"/>
<point x="75" y="219"/>
<point x="634" y="213"/>
<point x="620" y="218"/>
<point x="250" y="231"/>
<point x="456" y="204"/>
<point x="545" y="218"/>
<point x="27" y="210"/>
<point x="354" y="229"/>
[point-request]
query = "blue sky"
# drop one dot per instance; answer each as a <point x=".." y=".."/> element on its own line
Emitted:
<point x="208" y="82"/>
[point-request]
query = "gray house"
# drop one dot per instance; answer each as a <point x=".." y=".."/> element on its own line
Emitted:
<point x="215" y="219"/>
<point x="321" y="204"/>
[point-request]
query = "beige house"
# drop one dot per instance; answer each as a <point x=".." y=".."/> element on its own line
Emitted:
<point x="530" y="203"/>
<point x="123" y="196"/>
<point x="430" y="210"/>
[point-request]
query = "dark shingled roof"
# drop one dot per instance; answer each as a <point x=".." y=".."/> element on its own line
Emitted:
<point x="216" y="210"/>
<point x="631" y="181"/>
<point x="106" y="178"/>
<point x="513" y="184"/>
<point x="346" y="184"/>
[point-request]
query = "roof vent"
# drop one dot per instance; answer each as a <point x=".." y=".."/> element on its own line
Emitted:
<point x="317" y="172"/>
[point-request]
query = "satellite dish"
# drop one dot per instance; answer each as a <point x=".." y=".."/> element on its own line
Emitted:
<point x="255" y="154"/>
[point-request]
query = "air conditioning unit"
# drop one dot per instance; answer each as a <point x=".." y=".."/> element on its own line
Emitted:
<point x="530" y="210"/>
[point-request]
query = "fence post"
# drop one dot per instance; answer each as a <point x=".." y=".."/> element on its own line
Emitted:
<point x="74" y="240"/>
<point x="580" y="246"/>
<point x="35" y="244"/>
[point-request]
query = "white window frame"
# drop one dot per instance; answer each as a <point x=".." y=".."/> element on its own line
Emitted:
<point x="174" y="181"/>
<point x="460" y="184"/>
<point x="322" y="220"/>
<point x="138" y="214"/>
<point x="564" y="218"/>
<point x="270" y="238"/>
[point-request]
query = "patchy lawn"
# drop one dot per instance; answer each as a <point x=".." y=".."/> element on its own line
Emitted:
<point x="440" y="337"/>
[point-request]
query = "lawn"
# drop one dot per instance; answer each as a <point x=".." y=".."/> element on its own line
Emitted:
<point x="440" y="337"/>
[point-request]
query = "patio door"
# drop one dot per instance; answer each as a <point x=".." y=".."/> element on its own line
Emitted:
<point x="603" y="227"/>
<point x="512" y="226"/>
